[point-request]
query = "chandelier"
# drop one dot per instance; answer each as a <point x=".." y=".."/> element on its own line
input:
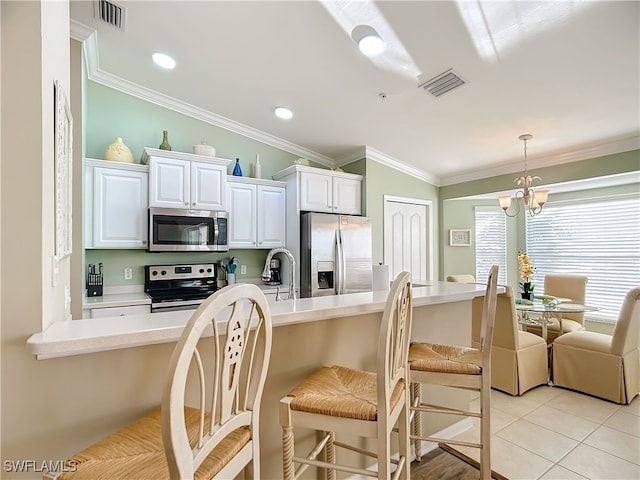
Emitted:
<point x="533" y="200"/>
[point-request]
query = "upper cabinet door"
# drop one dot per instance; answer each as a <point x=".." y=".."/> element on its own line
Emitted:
<point x="169" y="183"/>
<point x="241" y="199"/>
<point x="346" y="196"/>
<point x="315" y="192"/>
<point x="208" y="186"/>
<point x="271" y="221"/>
<point x="119" y="209"/>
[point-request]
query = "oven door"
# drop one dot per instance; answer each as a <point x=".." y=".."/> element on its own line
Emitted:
<point x="187" y="230"/>
<point x="175" y="306"/>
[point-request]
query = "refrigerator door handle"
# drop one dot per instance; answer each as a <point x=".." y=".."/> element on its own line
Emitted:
<point x="341" y="263"/>
<point x="338" y="253"/>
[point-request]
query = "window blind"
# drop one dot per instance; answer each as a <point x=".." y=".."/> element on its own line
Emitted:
<point x="599" y="238"/>
<point x="491" y="243"/>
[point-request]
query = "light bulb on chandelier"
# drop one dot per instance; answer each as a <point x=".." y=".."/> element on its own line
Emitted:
<point x="533" y="200"/>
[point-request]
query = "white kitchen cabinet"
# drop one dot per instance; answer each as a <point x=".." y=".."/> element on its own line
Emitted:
<point x="330" y="192"/>
<point x="257" y="213"/>
<point x="116" y="203"/>
<point x="186" y="181"/>
<point x="312" y="189"/>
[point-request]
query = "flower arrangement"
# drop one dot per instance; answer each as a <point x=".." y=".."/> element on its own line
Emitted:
<point x="526" y="268"/>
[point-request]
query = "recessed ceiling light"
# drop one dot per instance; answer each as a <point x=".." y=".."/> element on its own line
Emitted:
<point x="163" y="60"/>
<point x="368" y="40"/>
<point x="283" y="113"/>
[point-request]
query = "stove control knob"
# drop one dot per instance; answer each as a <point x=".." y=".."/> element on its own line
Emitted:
<point x="155" y="272"/>
<point x="164" y="272"/>
<point x="208" y="270"/>
<point x="202" y="270"/>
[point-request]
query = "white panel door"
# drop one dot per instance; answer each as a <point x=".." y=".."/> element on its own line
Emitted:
<point x="242" y="215"/>
<point x="271" y="217"/>
<point x="407" y="239"/>
<point x="208" y="186"/>
<point x="119" y="209"/>
<point x="315" y="192"/>
<point x="346" y="196"/>
<point x="169" y="183"/>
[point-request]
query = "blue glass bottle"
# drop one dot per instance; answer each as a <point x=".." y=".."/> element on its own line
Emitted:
<point x="237" y="171"/>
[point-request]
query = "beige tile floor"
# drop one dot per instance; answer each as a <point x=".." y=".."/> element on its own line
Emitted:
<point x="553" y="433"/>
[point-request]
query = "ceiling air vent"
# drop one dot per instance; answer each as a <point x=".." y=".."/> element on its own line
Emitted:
<point x="110" y="12"/>
<point x="443" y="83"/>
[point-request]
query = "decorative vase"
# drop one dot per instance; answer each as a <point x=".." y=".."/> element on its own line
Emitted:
<point x="118" y="152"/>
<point x="237" y="171"/>
<point x="165" y="141"/>
<point x="257" y="168"/>
<point x="526" y="295"/>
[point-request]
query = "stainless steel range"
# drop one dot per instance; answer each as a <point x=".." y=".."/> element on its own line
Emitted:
<point x="179" y="287"/>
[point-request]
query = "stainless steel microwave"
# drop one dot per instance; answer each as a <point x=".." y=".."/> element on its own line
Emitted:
<point x="174" y="230"/>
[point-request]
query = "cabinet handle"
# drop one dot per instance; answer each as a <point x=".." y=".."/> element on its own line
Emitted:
<point x="144" y="242"/>
<point x="186" y="203"/>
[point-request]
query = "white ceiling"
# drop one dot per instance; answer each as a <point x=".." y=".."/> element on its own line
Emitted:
<point x="566" y="72"/>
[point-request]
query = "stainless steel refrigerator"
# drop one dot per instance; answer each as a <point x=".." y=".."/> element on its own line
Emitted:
<point x="335" y="254"/>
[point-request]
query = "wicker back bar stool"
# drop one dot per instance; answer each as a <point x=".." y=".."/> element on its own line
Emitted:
<point x="341" y="400"/>
<point x="217" y="435"/>
<point x="458" y="367"/>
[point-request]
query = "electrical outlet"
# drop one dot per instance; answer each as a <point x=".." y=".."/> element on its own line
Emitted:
<point x="128" y="273"/>
<point x="243" y="269"/>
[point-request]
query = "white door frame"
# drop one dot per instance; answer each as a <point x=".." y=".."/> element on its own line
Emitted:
<point x="428" y="234"/>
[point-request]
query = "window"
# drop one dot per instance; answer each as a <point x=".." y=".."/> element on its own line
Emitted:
<point x="491" y="243"/>
<point x="599" y="238"/>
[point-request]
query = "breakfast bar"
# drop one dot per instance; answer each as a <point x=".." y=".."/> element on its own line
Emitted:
<point x="308" y="333"/>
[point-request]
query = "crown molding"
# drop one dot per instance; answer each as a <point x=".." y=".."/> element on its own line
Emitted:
<point x="372" y="154"/>
<point x="551" y="160"/>
<point x="89" y="38"/>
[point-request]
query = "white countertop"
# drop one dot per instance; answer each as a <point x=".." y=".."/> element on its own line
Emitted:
<point x="74" y="337"/>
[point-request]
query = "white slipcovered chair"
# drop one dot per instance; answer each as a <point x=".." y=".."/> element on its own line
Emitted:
<point x="519" y="359"/>
<point x="605" y="366"/>
<point x="219" y="436"/>
<point x="461" y="278"/>
<point x="563" y="285"/>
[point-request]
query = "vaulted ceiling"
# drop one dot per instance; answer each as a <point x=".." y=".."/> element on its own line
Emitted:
<point x="568" y="72"/>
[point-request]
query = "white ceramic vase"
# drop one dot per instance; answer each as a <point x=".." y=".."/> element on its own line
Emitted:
<point x="118" y="152"/>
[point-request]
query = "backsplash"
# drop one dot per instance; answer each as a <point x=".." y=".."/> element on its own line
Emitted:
<point x="115" y="261"/>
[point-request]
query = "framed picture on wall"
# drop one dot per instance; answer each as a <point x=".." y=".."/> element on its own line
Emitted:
<point x="63" y="140"/>
<point x="459" y="238"/>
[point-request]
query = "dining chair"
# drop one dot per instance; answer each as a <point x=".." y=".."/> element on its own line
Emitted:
<point x="563" y="285"/>
<point x="605" y="366"/>
<point x="355" y="404"/>
<point x="519" y="359"/>
<point x="457" y="367"/>
<point x="461" y="278"/>
<point x="225" y="349"/>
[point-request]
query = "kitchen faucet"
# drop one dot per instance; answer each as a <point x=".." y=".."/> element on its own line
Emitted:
<point x="266" y="273"/>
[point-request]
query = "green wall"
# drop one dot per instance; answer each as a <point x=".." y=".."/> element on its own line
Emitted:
<point x="110" y="114"/>
<point x="382" y="180"/>
<point x="459" y="213"/>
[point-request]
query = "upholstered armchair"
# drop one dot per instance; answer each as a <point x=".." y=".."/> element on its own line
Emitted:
<point x="519" y="359"/>
<point x="606" y="366"/>
<point x="461" y="278"/>
<point x="563" y="286"/>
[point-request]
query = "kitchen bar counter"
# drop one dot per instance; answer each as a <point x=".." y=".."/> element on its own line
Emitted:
<point x="110" y="333"/>
<point x="307" y="334"/>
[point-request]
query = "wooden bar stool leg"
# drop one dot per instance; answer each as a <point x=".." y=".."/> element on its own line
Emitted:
<point x="288" y="472"/>
<point x="416" y="424"/>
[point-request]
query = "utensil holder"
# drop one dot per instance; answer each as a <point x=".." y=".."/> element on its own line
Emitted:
<point x="231" y="278"/>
